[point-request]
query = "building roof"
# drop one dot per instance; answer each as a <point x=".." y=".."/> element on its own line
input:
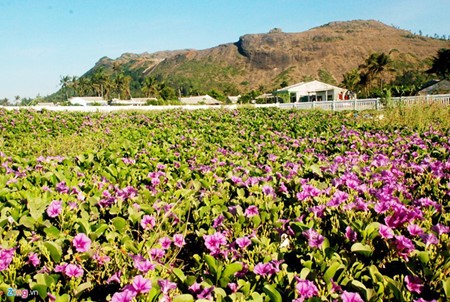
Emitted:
<point x="441" y="87"/>
<point x="309" y="87"/>
<point x="201" y="99"/>
<point x="87" y="100"/>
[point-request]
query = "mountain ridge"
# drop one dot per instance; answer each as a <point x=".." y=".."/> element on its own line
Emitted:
<point x="266" y="60"/>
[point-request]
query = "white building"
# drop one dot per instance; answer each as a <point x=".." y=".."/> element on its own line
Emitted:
<point x="132" y="102"/>
<point x="313" y="91"/>
<point x="88" y="101"/>
<point x="200" y="100"/>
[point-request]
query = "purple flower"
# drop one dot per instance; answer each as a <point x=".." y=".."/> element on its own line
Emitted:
<point x="206" y="293"/>
<point x="54" y="209"/>
<point x="6" y="256"/>
<point x="141" y="284"/>
<point x="148" y="222"/>
<point x="350" y="234"/>
<point x="404" y="246"/>
<point x="429" y="239"/>
<point x="251" y="211"/>
<point x="73" y="271"/>
<point x="263" y="269"/>
<point x="60" y="268"/>
<point x="243" y="242"/>
<point x="314" y="238"/>
<point x="165" y="242"/>
<point x="33" y="259"/>
<point x="306" y="289"/>
<point x="166" y="285"/>
<point x="386" y="232"/>
<point x="142" y="264"/>
<point x="214" y="241"/>
<point x="414" y="284"/>
<point x="157" y="254"/>
<point x="178" y="240"/>
<point x="114" y="278"/>
<point x="414" y="230"/>
<point x="351" y="297"/>
<point x="218" y="221"/>
<point x="81" y="243"/>
<point x="125" y="296"/>
<point x="268" y="190"/>
<point x="440" y="229"/>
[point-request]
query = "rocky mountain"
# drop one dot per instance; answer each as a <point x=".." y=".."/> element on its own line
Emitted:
<point x="269" y="59"/>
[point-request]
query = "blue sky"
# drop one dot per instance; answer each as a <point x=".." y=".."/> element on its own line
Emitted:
<point x="42" y="40"/>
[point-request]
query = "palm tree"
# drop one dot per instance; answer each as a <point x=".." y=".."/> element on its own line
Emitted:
<point x="64" y="82"/>
<point x="352" y="80"/>
<point x="150" y="87"/>
<point x="441" y="64"/>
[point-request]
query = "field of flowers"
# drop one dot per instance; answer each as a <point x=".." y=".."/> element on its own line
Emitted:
<point x="239" y="205"/>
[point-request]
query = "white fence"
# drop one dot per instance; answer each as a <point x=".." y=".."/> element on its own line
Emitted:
<point x="363" y="104"/>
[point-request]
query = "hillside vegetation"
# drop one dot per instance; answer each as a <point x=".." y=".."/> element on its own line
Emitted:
<point x="264" y="62"/>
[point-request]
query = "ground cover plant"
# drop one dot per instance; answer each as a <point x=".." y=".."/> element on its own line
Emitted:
<point x="224" y="205"/>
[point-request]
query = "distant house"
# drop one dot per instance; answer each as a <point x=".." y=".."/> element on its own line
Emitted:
<point x="200" y="100"/>
<point x="132" y="102"/>
<point x="313" y="91"/>
<point x="234" y="99"/>
<point x="88" y="101"/>
<point x="436" y="87"/>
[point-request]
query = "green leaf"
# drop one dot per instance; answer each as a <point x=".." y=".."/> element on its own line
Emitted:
<point x="119" y="223"/>
<point x="63" y="298"/>
<point x="82" y="287"/>
<point x="211" y="264"/>
<point x="446" y="285"/>
<point x="231" y="269"/>
<point x="27" y="222"/>
<point x="183" y="298"/>
<point x="41" y="289"/>
<point x="179" y="273"/>
<point x="423" y="256"/>
<point x="331" y="271"/>
<point x="362" y="249"/>
<point x="274" y="295"/>
<point x="54" y="250"/>
<point x="44" y="279"/>
<point x="52" y="232"/>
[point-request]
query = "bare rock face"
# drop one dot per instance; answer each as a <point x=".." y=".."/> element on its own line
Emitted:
<point x="265" y="51"/>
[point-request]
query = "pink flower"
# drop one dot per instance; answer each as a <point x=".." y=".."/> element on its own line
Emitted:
<point x="178" y="240"/>
<point x="6" y="256"/>
<point x="429" y="239"/>
<point x="81" y="242"/>
<point x="251" y="211"/>
<point x="414" y="230"/>
<point x="54" y="209"/>
<point x="114" y="278"/>
<point x="141" y="284"/>
<point x="386" y="232"/>
<point x="214" y="241"/>
<point x="306" y="289"/>
<point x="33" y="259"/>
<point x="243" y="242"/>
<point x="414" y="284"/>
<point x="351" y="297"/>
<point x="350" y="234"/>
<point x="125" y="296"/>
<point x="166" y="285"/>
<point x="404" y="246"/>
<point x="314" y="238"/>
<point x="148" y="222"/>
<point x="165" y="242"/>
<point x="73" y="271"/>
